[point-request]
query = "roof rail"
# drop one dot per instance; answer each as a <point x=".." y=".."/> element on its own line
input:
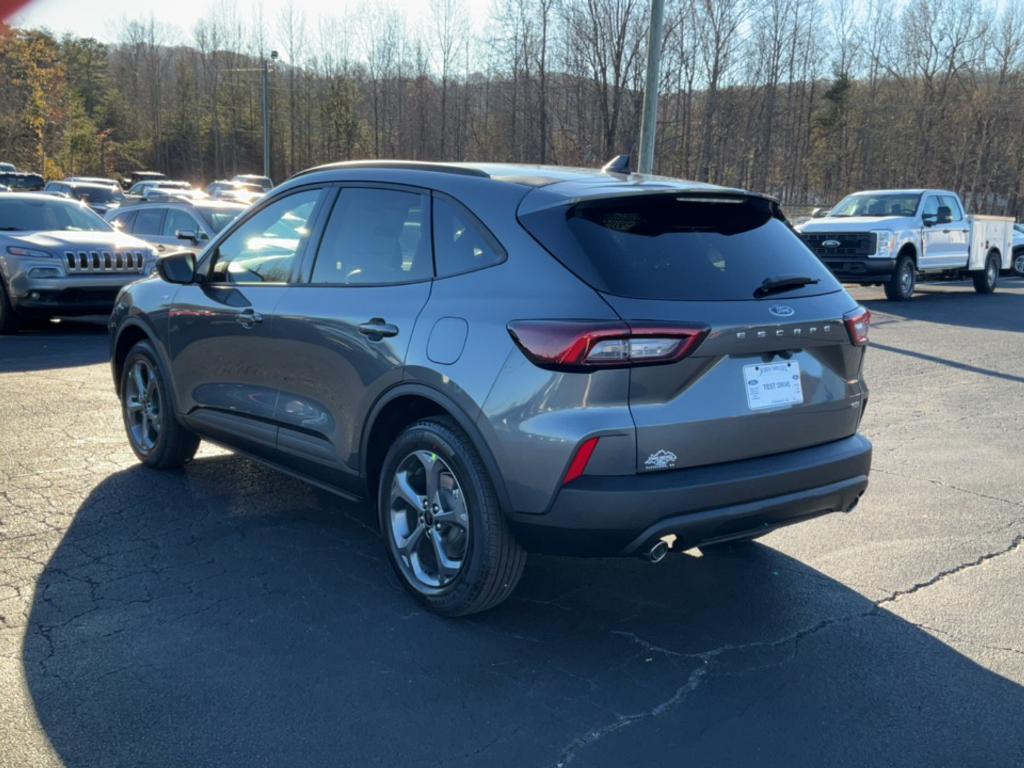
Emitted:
<point x="401" y="165"/>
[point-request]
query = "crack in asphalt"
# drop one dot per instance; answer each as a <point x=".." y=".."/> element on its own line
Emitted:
<point x="708" y="658"/>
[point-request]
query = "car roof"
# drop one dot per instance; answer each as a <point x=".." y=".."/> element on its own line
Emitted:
<point x="552" y="185"/>
<point x="84" y="184"/>
<point x="915" y="191"/>
<point x="43" y="196"/>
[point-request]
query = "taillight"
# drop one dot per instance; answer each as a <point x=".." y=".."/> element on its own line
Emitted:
<point x="581" y="345"/>
<point x="580" y="460"/>
<point x="858" y="323"/>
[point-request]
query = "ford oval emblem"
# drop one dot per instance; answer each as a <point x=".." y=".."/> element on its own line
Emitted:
<point x="830" y="243"/>
<point x="782" y="310"/>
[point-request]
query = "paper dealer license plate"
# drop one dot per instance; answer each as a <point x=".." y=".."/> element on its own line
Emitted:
<point x="772" y="385"/>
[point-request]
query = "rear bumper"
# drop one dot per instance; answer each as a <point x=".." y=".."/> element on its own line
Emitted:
<point x="859" y="269"/>
<point x="625" y="515"/>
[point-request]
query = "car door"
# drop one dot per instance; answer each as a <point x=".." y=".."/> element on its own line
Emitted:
<point x="349" y="322"/>
<point x="934" y="237"/>
<point x="227" y="355"/>
<point x="179" y="220"/>
<point x="148" y="225"/>
<point x="957" y="232"/>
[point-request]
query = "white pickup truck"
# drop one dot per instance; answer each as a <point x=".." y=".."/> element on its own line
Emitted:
<point x="889" y="237"/>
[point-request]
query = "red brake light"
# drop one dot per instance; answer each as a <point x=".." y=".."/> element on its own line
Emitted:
<point x="580" y="460"/>
<point x="581" y="345"/>
<point x="858" y="323"/>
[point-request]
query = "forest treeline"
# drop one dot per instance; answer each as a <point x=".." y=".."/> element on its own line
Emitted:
<point x="804" y="99"/>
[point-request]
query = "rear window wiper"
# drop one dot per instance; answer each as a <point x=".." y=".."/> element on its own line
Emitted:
<point x="783" y="283"/>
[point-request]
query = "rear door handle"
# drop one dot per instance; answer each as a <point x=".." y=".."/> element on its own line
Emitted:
<point x="378" y="328"/>
<point x="248" y="318"/>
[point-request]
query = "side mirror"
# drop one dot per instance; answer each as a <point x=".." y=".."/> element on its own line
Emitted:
<point x="819" y="213"/>
<point x="178" y="268"/>
<point x="187" y="234"/>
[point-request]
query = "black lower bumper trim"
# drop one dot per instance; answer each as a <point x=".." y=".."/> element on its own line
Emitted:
<point x="625" y="515"/>
<point x="68" y="302"/>
<point x="860" y="270"/>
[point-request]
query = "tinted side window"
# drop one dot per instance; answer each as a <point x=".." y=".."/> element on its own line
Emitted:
<point x="178" y="220"/>
<point x="461" y="244"/>
<point x="264" y="247"/>
<point x="954" y="207"/>
<point x="375" y="236"/>
<point x="125" y="221"/>
<point x="148" y="221"/>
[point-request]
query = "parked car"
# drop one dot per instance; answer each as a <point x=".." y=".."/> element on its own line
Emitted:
<point x="8" y="168"/>
<point x="889" y="237"/>
<point x="507" y="358"/>
<point x="263" y="182"/>
<point x="1017" y="267"/>
<point x="22" y="182"/>
<point x="4" y="188"/>
<point x="100" y="197"/>
<point x="57" y="257"/>
<point x="175" y="225"/>
<point x="136" y="176"/>
<point x="235" y="191"/>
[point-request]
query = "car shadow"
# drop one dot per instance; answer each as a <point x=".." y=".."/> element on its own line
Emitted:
<point x="46" y="345"/>
<point x="957" y="304"/>
<point x="227" y="615"/>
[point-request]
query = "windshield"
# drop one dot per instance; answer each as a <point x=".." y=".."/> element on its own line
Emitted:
<point x="867" y="204"/>
<point x="219" y="219"/>
<point x="97" y="194"/>
<point x="48" y="214"/>
<point x="678" y="247"/>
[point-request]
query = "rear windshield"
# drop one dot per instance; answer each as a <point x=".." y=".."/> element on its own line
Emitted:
<point x="97" y="194"/>
<point x="678" y="247"/>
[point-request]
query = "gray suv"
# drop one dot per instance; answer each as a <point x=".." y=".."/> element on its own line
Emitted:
<point x="506" y="359"/>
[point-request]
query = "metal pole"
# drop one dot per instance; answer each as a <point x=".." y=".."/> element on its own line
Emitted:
<point x="649" y="118"/>
<point x="266" y="121"/>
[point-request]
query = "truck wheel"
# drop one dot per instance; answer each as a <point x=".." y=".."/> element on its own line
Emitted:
<point x="9" y="320"/>
<point x="445" y="533"/>
<point x="1017" y="267"/>
<point x="985" y="280"/>
<point x="901" y="285"/>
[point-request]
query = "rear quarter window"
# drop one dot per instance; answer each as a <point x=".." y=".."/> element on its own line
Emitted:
<point x="678" y="247"/>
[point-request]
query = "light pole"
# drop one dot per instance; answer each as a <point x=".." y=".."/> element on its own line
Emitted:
<point x="266" y="114"/>
<point x="649" y="117"/>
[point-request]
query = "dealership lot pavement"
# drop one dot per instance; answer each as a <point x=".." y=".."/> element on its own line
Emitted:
<point x="228" y="616"/>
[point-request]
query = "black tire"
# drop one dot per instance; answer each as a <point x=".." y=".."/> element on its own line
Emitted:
<point x="491" y="559"/>
<point x="986" y="280"/>
<point x="900" y="287"/>
<point x="9" y="320"/>
<point x="1017" y="265"/>
<point x="172" y="445"/>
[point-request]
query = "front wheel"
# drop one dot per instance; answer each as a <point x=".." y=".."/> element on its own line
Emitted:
<point x="986" y="280"/>
<point x="154" y="433"/>
<point x="446" y="536"/>
<point x="900" y="286"/>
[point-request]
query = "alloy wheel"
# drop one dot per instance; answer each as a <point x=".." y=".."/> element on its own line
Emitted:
<point x="143" y="408"/>
<point x="429" y="521"/>
<point x="1018" y="263"/>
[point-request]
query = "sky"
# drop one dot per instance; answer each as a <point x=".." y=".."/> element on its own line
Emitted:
<point x="85" y="18"/>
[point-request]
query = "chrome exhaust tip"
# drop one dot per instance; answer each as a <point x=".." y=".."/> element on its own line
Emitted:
<point x="657" y="552"/>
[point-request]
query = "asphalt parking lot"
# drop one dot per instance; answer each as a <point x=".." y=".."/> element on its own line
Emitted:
<point x="228" y="616"/>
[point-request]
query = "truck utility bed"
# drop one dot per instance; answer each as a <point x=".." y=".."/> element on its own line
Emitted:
<point x="988" y="232"/>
